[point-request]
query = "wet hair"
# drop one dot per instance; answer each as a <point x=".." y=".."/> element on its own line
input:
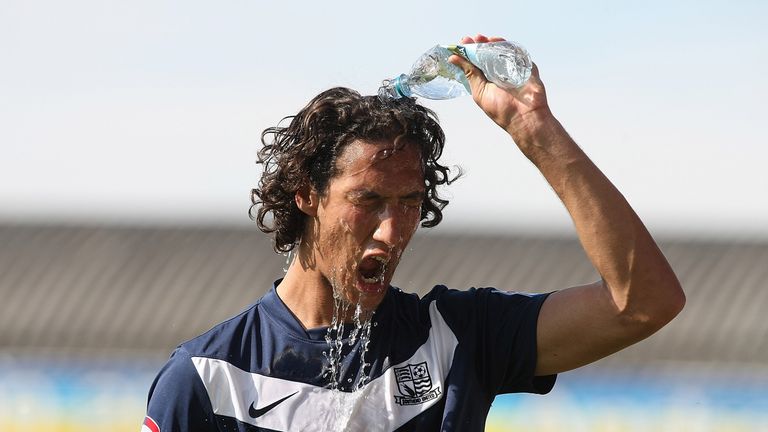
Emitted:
<point x="305" y="152"/>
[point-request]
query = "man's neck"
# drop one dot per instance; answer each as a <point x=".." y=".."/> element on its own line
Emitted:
<point x="308" y="295"/>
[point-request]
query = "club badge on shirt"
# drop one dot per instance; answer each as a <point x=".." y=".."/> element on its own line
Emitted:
<point x="414" y="384"/>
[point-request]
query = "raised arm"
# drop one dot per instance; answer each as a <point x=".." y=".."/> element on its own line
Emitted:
<point x="638" y="293"/>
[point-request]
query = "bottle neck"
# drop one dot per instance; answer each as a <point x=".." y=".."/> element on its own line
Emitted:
<point x="401" y="86"/>
<point x="395" y="88"/>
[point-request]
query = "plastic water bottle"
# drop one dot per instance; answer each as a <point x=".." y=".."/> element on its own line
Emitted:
<point x="504" y="63"/>
<point x="431" y="77"/>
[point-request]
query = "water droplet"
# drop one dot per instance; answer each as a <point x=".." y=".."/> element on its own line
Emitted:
<point x="288" y="256"/>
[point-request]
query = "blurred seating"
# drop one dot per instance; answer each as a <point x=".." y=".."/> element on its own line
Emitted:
<point x="140" y="291"/>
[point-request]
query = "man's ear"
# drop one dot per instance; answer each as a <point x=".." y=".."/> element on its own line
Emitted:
<point x="307" y="200"/>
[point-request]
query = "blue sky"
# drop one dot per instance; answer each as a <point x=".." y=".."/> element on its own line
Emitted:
<point x="151" y="111"/>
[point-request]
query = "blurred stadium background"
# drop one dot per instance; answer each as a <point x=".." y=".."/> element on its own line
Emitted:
<point x="120" y="120"/>
<point x="90" y="313"/>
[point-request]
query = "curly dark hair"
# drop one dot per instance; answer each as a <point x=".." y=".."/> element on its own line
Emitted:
<point x="305" y="153"/>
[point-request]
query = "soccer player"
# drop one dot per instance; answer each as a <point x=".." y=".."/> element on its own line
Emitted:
<point x="332" y="346"/>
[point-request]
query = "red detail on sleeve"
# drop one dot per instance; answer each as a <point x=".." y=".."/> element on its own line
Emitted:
<point x="148" y="422"/>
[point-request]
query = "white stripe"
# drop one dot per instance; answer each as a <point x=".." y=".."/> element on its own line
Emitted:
<point x="232" y="391"/>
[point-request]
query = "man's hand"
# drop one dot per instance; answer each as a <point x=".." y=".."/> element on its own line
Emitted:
<point x="513" y="110"/>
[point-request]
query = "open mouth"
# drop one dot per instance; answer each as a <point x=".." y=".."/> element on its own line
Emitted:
<point x="372" y="269"/>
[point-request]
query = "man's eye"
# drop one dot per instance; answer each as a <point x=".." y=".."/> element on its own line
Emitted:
<point x="412" y="202"/>
<point x="367" y="202"/>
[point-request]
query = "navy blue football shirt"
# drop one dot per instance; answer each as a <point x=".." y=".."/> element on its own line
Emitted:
<point x="436" y="363"/>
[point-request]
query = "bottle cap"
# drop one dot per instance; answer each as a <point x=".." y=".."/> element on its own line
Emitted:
<point x="394" y="88"/>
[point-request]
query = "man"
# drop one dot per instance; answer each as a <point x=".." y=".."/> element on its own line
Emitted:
<point x="345" y="185"/>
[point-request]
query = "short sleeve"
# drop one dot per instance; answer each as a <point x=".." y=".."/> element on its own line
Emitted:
<point x="500" y="330"/>
<point x="178" y="400"/>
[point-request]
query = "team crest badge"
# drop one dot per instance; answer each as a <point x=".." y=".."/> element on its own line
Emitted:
<point x="414" y="384"/>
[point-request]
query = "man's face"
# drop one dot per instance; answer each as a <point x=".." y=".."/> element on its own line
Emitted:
<point x="366" y="218"/>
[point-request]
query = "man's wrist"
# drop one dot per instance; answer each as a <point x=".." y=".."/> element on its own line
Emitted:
<point x="535" y="130"/>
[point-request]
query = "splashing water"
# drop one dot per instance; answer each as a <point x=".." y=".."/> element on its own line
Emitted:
<point x="288" y="258"/>
<point x="334" y="337"/>
<point x="353" y="319"/>
<point x="347" y="394"/>
<point x="364" y="328"/>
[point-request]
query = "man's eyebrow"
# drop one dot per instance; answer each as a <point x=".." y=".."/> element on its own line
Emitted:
<point x="369" y="194"/>
<point x="362" y="194"/>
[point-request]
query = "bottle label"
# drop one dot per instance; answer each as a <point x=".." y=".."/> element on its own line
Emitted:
<point x="469" y="51"/>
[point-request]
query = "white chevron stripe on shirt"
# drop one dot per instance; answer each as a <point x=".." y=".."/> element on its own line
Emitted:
<point x="233" y="390"/>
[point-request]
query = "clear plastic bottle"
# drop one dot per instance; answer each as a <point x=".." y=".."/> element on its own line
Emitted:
<point x="504" y="63"/>
<point x="431" y="77"/>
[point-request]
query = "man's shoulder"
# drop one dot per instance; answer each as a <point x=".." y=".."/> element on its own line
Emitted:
<point x="460" y="308"/>
<point x="217" y="342"/>
<point x="413" y="298"/>
<point x="412" y="302"/>
<point x="460" y="296"/>
<point x="442" y="293"/>
<point x="450" y="303"/>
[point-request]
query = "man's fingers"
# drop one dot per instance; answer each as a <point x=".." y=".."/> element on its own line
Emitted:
<point x="535" y="70"/>
<point x="474" y="75"/>
<point x="465" y="65"/>
<point x="461" y="62"/>
<point x="479" y="38"/>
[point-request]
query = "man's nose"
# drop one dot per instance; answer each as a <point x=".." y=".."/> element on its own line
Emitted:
<point x="390" y="228"/>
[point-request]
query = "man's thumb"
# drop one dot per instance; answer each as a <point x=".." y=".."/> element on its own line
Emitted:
<point x="474" y="74"/>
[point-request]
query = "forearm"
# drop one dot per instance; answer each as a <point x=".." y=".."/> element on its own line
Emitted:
<point x="636" y="273"/>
